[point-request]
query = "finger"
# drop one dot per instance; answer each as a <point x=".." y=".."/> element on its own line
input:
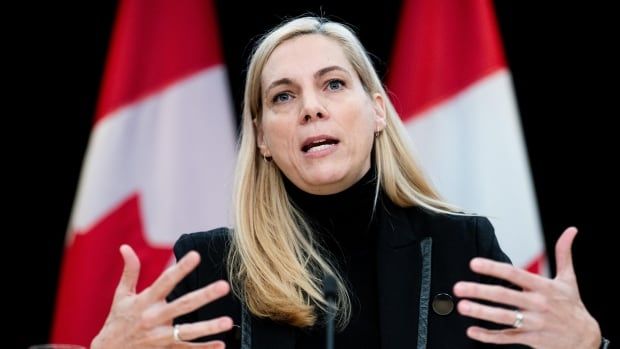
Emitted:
<point x="208" y="345"/>
<point x="170" y="277"/>
<point x="131" y="271"/>
<point x="195" y="330"/>
<point x="185" y="304"/>
<point x="508" y="336"/>
<point x="164" y="336"/>
<point x="564" y="256"/>
<point x="494" y="314"/>
<point x="510" y="273"/>
<point x="497" y="294"/>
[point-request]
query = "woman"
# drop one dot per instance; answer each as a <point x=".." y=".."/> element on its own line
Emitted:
<point x="326" y="187"/>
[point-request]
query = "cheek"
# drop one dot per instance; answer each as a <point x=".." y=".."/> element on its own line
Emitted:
<point x="364" y="135"/>
<point x="278" y="133"/>
<point x="363" y="123"/>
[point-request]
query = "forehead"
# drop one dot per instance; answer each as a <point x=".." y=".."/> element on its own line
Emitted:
<point x="303" y="56"/>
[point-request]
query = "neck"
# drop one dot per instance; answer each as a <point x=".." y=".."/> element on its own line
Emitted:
<point x="339" y="220"/>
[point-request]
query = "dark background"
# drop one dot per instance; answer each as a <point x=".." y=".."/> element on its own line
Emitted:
<point x="558" y="55"/>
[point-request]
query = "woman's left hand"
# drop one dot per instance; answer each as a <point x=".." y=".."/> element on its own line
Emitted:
<point x="550" y="311"/>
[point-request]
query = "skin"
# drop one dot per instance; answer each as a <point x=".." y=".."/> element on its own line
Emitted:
<point x="144" y="320"/>
<point x="309" y="90"/>
<point x="553" y="314"/>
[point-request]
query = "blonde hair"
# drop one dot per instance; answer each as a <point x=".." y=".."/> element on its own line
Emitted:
<point x="274" y="264"/>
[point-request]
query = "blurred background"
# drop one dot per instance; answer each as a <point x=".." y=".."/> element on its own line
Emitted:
<point x="557" y="54"/>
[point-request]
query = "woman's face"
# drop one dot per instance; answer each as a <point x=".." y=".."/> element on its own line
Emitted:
<point x="318" y="122"/>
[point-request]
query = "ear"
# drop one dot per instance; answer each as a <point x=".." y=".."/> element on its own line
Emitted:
<point x="380" y="112"/>
<point x="260" y="139"/>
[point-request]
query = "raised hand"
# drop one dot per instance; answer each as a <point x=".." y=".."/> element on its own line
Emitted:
<point x="550" y="311"/>
<point x="144" y="320"/>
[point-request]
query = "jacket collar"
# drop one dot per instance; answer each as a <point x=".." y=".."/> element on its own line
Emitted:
<point x="399" y="275"/>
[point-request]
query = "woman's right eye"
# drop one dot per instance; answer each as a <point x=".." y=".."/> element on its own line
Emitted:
<point x="281" y="97"/>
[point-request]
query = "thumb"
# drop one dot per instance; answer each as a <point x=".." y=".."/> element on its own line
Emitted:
<point x="131" y="271"/>
<point x="564" y="255"/>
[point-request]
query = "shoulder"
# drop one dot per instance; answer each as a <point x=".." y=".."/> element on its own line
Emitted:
<point x="438" y="224"/>
<point x="215" y="239"/>
<point x="472" y="233"/>
<point x="452" y="222"/>
<point x="212" y="245"/>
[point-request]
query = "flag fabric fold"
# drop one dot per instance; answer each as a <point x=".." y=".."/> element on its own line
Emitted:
<point x="159" y="161"/>
<point x="452" y="87"/>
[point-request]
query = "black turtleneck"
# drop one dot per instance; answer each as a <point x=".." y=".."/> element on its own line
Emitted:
<point x="346" y="227"/>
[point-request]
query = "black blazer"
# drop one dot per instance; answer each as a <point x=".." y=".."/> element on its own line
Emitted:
<point x="419" y="255"/>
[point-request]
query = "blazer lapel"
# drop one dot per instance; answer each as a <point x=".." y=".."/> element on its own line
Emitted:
<point x="401" y="247"/>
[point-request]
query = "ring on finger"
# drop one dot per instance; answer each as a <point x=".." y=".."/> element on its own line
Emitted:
<point x="518" y="319"/>
<point x="175" y="333"/>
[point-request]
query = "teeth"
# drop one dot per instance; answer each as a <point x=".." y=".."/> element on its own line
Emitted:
<point x="319" y="148"/>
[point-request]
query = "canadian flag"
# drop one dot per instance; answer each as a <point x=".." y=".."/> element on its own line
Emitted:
<point x="451" y="85"/>
<point x="160" y="157"/>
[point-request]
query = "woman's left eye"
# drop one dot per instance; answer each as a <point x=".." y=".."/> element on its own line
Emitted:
<point x="335" y="84"/>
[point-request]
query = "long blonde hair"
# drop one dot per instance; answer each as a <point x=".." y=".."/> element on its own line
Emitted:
<point x="275" y="265"/>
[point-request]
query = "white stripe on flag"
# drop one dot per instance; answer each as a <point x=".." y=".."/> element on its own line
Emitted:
<point x="472" y="148"/>
<point x="176" y="148"/>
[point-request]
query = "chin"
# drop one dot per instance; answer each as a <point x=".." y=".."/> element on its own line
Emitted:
<point x="325" y="179"/>
<point x="328" y="174"/>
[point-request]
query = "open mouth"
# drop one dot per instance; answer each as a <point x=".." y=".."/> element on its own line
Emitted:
<point x="315" y="144"/>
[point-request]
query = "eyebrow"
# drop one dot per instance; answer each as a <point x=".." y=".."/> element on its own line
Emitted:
<point x="326" y="70"/>
<point x="318" y="74"/>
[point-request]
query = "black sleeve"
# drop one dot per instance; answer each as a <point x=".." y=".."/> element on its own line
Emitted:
<point x="213" y="249"/>
<point x="488" y="247"/>
<point x="189" y="283"/>
<point x="487" y="241"/>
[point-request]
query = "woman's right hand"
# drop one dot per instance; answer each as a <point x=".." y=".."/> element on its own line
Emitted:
<point x="144" y="320"/>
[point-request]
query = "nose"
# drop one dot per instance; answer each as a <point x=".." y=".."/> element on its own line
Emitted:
<point x="312" y="109"/>
<point x="309" y="117"/>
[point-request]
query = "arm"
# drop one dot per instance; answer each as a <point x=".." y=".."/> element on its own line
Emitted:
<point x="213" y="249"/>
<point x="189" y="283"/>
<point x="488" y="247"/>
